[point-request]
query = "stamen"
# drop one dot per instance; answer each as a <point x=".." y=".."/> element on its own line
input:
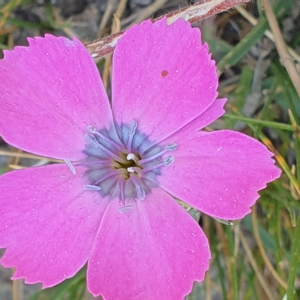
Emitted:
<point x="92" y="140"/>
<point x="140" y="192"/>
<point x="132" y="131"/>
<point x="136" y="170"/>
<point x="70" y="165"/>
<point x="90" y="187"/>
<point x="109" y="174"/>
<point x="171" y="147"/>
<point x="93" y="130"/>
<point x="125" y="208"/>
<point x="93" y="162"/>
<point x="131" y="156"/>
<point x="118" y="166"/>
<point x="149" y="169"/>
<point x="121" y="187"/>
<point x="169" y="160"/>
<point x="130" y="170"/>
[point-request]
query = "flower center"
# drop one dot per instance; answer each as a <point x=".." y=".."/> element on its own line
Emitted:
<point x="123" y="163"/>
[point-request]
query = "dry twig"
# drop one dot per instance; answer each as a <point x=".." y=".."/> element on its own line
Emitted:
<point x="262" y="249"/>
<point x="252" y="260"/>
<point x="197" y="12"/>
<point x="285" y="58"/>
<point x="149" y="11"/>
<point x="107" y="14"/>
<point x="116" y="27"/>
<point x="268" y="33"/>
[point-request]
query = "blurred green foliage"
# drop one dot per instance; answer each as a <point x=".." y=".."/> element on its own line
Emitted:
<point x="232" y="274"/>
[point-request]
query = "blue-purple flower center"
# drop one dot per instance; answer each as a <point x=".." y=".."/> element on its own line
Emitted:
<point x="124" y="163"/>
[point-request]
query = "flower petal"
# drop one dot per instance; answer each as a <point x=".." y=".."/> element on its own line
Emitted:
<point x="154" y="251"/>
<point x="163" y="77"/>
<point x="215" y="111"/>
<point x="51" y="92"/>
<point x="219" y="173"/>
<point x="48" y="222"/>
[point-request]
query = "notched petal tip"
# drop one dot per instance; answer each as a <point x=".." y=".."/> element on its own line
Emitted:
<point x="49" y="39"/>
<point x="53" y="83"/>
<point x="223" y="173"/>
<point x="47" y="240"/>
<point x="171" y="72"/>
<point x="172" y="239"/>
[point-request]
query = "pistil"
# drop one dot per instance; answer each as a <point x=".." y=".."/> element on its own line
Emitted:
<point x="123" y="170"/>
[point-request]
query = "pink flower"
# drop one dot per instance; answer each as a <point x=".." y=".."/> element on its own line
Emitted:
<point x="114" y="209"/>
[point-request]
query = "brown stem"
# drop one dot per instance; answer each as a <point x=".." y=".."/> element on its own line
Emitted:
<point x="197" y="12"/>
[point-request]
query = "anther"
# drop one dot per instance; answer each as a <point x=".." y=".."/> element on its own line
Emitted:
<point x="90" y="187"/>
<point x="170" y="159"/>
<point x="125" y="208"/>
<point x="172" y="147"/>
<point x="92" y="129"/>
<point x="70" y="165"/>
